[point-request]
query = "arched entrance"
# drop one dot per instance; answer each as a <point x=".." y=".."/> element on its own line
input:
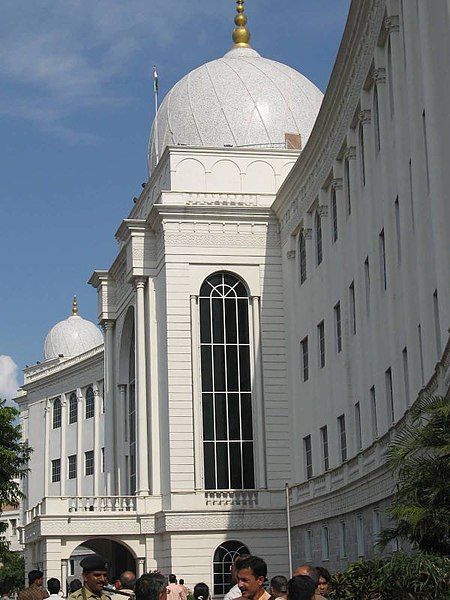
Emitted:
<point x="117" y="556"/>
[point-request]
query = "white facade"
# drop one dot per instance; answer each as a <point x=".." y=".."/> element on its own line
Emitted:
<point x="343" y="319"/>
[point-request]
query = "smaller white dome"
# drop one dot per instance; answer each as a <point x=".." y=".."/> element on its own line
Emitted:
<point x="72" y="337"/>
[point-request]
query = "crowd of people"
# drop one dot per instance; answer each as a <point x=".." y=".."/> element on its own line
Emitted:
<point x="248" y="573"/>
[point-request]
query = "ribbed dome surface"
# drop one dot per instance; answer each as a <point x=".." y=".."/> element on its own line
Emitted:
<point x="241" y="99"/>
<point x="72" y="337"/>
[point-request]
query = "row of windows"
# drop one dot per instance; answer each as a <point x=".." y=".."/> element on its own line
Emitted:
<point x="326" y="534"/>
<point x="72" y="465"/>
<point x="73" y="408"/>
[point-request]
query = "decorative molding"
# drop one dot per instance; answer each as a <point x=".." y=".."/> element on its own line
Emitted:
<point x="65" y="364"/>
<point x="379" y="75"/>
<point x="322" y="209"/>
<point x="391" y="24"/>
<point x="290" y="254"/>
<point x="365" y="116"/>
<point x="350" y="153"/>
<point x="221" y="240"/>
<point x="337" y="183"/>
<point x="307" y="233"/>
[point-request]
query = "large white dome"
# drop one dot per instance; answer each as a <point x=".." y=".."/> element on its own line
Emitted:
<point x="241" y="99"/>
<point x="72" y="337"/>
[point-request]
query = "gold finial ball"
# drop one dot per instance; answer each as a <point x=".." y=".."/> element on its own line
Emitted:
<point x="240" y="20"/>
<point x="241" y="36"/>
<point x="74" y="306"/>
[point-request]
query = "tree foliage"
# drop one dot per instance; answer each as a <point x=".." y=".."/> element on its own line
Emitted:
<point x="14" y="456"/>
<point x="12" y="572"/>
<point x="402" y="576"/>
<point x="419" y="457"/>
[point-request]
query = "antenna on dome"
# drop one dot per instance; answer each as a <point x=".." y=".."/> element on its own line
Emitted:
<point x="155" y="92"/>
<point x="241" y="35"/>
<point x="74" y="306"/>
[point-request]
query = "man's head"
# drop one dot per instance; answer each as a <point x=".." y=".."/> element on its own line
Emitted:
<point x="278" y="586"/>
<point x="181" y="582"/>
<point x="301" y="587"/>
<point x="94" y="573"/>
<point x="309" y="572"/>
<point x="151" y="586"/>
<point x="172" y="578"/>
<point x="323" y="587"/>
<point x="127" y="580"/>
<point x="53" y="585"/>
<point x="35" y="576"/>
<point x="251" y="573"/>
<point x="233" y="567"/>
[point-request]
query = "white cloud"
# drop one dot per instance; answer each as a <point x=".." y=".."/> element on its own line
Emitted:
<point x="8" y="377"/>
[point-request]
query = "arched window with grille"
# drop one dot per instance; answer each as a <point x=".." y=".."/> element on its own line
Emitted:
<point x="90" y="403"/>
<point x="228" y="445"/>
<point x="57" y="410"/>
<point x="224" y="557"/>
<point x="302" y="256"/>
<point x="73" y="408"/>
<point x="318" y="227"/>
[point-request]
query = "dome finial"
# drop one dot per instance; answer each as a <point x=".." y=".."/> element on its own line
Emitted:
<point x="74" y="306"/>
<point x="241" y="35"/>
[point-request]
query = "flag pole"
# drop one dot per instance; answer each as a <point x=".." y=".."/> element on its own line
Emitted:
<point x="155" y="90"/>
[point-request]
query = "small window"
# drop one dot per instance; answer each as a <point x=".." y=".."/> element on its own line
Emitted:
<point x="358" y="431"/>
<point x="103" y="460"/>
<point x="351" y="292"/>
<point x="342" y="438"/>
<point x="382" y="247"/>
<point x="89" y="462"/>
<point x="325" y="453"/>
<point x="308" y="540"/>
<point x="360" y="535"/>
<point x="56" y="470"/>
<point x="338" y="326"/>
<point x="376" y="526"/>
<point x="373" y="413"/>
<point x="302" y="256"/>
<point x="343" y="539"/>
<point x="72" y="466"/>
<point x="305" y="358"/>
<point x="71" y="567"/>
<point x="90" y="403"/>
<point x="325" y="543"/>
<point x="334" y="216"/>
<point x="57" y="411"/>
<point x="307" y="451"/>
<point x="389" y="396"/>
<point x="73" y="408"/>
<point x="367" y="284"/>
<point x="321" y="343"/>
<point x="406" y="376"/>
<point x="318" y="227"/>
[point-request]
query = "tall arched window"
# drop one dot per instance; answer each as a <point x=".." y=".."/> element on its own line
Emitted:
<point x="57" y="410"/>
<point x="90" y="403"/>
<point x="226" y="383"/>
<point x="318" y="227"/>
<point x="334" y="217"/>
<point x="132" y="417"/>
<point x="302" y="256"/>
<point x="224" y="557"/>
<point x="73" y="408"/>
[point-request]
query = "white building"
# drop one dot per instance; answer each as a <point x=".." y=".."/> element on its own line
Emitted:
<point x="279" y="299"/>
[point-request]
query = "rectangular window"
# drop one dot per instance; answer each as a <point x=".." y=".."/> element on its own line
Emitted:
<point x="376" y="526"/>
<point x="72" y="466"/>
<point x="389" y="396"/>
<point x="382" y="249"/>
<point x="338" y="326"/>
<point x="56" y="470"/>
<point x="425" y="147"/>
<point x="308" y="545"/>
<point x="71" y="567"/>
<point x="307" y="452"/>
<point x="321" y="343"/>
<point x="397" y="230"/>
<point x="89" y="462"/>
<point x="342" y="438"/>
<point x="343" y="539"/>
<point x="325" y="543"/>
<point x="351" y="292"/>
<point x="373" y="413"/>
<point x="358" y="432"/>
<point x="422" y="367"/>
<point x="324" y="442"/>
<point x="406" y="376"/>
<point x="305" y="358"/>
<point x="367" y="283"/>
<point x="73" y="408"/>
<point x="360" y="535"/>
<point x="103" y="460"/>
<point x="302" y="256"/>
<point x="437" y="325"/>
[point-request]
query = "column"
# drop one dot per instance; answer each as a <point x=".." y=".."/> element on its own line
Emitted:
<point x="63" y="444"/>
<point x="122" y="418"/>
<point x="141" y="390"/>
<point x="154" y="391"/>
<point x="97" y="446"/>
<point x="196" y="393"/>
<point x="80" y="419"/>
<point x="64" y="573"/>
<point x="47" y="466"/>
<point x="140" y="566"/>
<point x="258" y="395"/>
<point x="108" y="393"/>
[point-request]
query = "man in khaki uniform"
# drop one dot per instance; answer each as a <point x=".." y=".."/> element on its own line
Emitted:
<point x="94" y="578"/>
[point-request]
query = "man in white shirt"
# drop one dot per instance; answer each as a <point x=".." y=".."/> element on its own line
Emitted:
<point x="235" y="592"/>
<point x="54" y="587"/>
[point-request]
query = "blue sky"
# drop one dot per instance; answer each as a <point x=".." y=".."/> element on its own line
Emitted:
<point x="75" y="113"/>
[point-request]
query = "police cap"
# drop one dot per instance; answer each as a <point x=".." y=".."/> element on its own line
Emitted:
<point x="93" y="562"/>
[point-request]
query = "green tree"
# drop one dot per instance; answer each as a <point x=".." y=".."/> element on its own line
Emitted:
<point x="419" y="457"/>
<point x="12" y="572"/>
<point x="14" y="456"/>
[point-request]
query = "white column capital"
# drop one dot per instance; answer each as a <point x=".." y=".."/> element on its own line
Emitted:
<point x="139" y="282"/>
<point x="108" y="325"/>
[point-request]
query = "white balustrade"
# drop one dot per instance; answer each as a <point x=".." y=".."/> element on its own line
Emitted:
<point x="231" y="498"/>
<point x="102" y="504"/>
